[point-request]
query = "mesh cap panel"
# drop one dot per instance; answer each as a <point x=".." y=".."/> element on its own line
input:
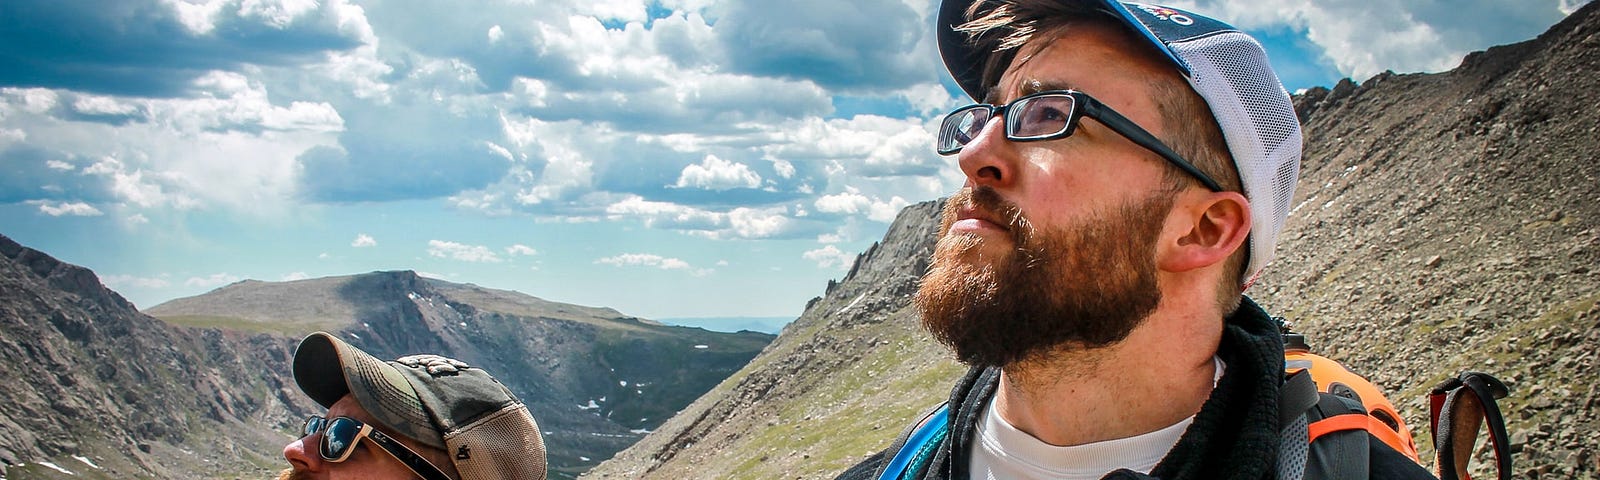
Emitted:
<point x="1230" y="71"/>
<point x="502" y="446"/>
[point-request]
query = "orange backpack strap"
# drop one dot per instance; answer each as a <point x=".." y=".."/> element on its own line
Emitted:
<point x="1454" y="418"/>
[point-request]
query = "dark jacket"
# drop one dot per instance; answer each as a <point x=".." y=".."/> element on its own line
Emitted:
<point x="1234" y="436"/>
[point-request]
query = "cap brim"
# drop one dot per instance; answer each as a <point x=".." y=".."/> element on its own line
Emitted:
<point x="965" y="61"/>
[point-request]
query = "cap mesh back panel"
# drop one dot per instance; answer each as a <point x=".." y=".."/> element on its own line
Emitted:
<point x="503" y="446"/>
<point x="1231" y="72"/>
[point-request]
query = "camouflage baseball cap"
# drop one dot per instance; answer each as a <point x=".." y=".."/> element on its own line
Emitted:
<point x="439" y="401"/>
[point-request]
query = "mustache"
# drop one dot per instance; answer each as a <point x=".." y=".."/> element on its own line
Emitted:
<point x="987" y="200"/>
<point x="292" y="474"/>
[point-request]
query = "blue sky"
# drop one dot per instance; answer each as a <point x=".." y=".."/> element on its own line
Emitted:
<point x="667" y="158"/>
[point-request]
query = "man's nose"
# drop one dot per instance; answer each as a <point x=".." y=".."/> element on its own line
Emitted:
<point x="989" y="159"/>
<point x="302" y="454"/>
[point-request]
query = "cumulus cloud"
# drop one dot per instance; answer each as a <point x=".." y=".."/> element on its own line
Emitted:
<point x="1403" y="36"/>
<point x="462" y="252"/>
<point x="520" y="249"/>
<point x="829" y="256"/>
<point x="650" y="260"/>
<point x="718" y="174"/>
<point x="154" y="48"/>
<point x="363" y="240"/>
<point x="73" y="209"/>
<point x="852" y="202"/>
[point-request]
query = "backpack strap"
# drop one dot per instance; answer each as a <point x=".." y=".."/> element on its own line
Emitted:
<point x="917" y="445"/>
<point x="1454" y="418"/>
<point x="1324" y="436"/>
<point x="1298" y="394"/>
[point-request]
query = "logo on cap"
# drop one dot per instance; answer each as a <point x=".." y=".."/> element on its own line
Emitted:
<point x="1165" y="13"/>
<point x="435" y="365"/>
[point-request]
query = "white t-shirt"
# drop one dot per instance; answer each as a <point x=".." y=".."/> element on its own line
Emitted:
<point x="1004" y="453"/>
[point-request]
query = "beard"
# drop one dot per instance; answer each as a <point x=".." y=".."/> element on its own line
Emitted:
<point x="1078" y="288"/>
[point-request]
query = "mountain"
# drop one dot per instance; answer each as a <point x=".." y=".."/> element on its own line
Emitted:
<point x="595" y="379"/>
<point x="98" y="389"/>
<point x="105" y="391"/>
<point x="1444" y="222"/>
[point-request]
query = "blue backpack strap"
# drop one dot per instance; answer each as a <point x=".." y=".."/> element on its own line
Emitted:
<point x="919" y="446"/>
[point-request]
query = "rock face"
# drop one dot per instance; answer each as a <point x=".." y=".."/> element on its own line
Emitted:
<point x="1444" y="222"/>
<point x="92" y="377"/>
<point x="208" y="391"/>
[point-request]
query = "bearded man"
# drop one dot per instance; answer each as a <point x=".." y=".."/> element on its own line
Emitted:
<point x="1127" y="176"/>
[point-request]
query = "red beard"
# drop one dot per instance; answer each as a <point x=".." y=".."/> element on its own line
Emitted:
<point x="1082" y="287"/>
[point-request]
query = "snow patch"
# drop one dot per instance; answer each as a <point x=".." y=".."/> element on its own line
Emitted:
<point x="581" y="457"/>
<point x="57" y="468"/>
<point x="590" y="406"/>
<point x="463" y="324"/>
<point x="852" y="304"/>
<point x="701" y="347"/>
<point x="640" y="431"/>
<point x="86" y="461"/>
<point x="622" y="383"/>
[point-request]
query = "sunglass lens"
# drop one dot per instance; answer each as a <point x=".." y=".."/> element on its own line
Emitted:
<point x="312" y="426"/>
<point x="337" y="438"/>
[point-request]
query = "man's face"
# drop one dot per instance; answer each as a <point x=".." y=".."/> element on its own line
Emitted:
<point x="369" y="461"/>
<point x="1052" y="244"/>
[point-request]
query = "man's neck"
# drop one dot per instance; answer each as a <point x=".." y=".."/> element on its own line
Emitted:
<point x="1161" y="374"/>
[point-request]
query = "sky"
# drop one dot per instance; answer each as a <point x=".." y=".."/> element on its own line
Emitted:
<point x="666" y="158"/>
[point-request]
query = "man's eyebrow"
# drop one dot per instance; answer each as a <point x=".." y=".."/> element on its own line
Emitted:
<point x="1029" y="87"/>
<point x="1035" y="86"/>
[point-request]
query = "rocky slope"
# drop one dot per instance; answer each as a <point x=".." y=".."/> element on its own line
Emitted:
<point x="1444" y="222"/>
<point x="100" y="390"/>
<point x="106" y="391"/>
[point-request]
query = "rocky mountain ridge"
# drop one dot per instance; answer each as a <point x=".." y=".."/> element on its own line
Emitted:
<point x="1444" y="222"/>
<point x="114" y="393"/>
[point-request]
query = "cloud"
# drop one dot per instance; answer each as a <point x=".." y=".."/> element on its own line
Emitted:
<point x="154" y="48"/>
<point x="852" y="202"/>
<point x="829" y="256"/>
<point x="651" y="260"/>
<point x="363" y="240"/>
<point x="119" y="282"/>
<point x="293" y="276"/>
<point x="462" y="252"/>
<point x="74" y="209"/>
<point x="1403" y="36"/>
<point x="213" y="280"/>
<point x="520" y="249"/>
<point x="860" y="44"/>
<point x="718" y="174"/>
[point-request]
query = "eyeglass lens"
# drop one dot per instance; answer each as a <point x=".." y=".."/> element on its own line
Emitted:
<point x="1027" y="118"/>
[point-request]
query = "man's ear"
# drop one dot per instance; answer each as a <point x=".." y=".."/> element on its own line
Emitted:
<point x="1207" y="228"/>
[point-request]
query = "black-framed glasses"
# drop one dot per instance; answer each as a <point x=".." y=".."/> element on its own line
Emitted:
<point x="1051" y="115"/>
<point x="339" y="437"/>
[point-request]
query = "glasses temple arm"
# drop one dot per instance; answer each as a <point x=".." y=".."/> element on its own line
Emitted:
<point x="418" y="465"/>
<point x="1143" y="138"/>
